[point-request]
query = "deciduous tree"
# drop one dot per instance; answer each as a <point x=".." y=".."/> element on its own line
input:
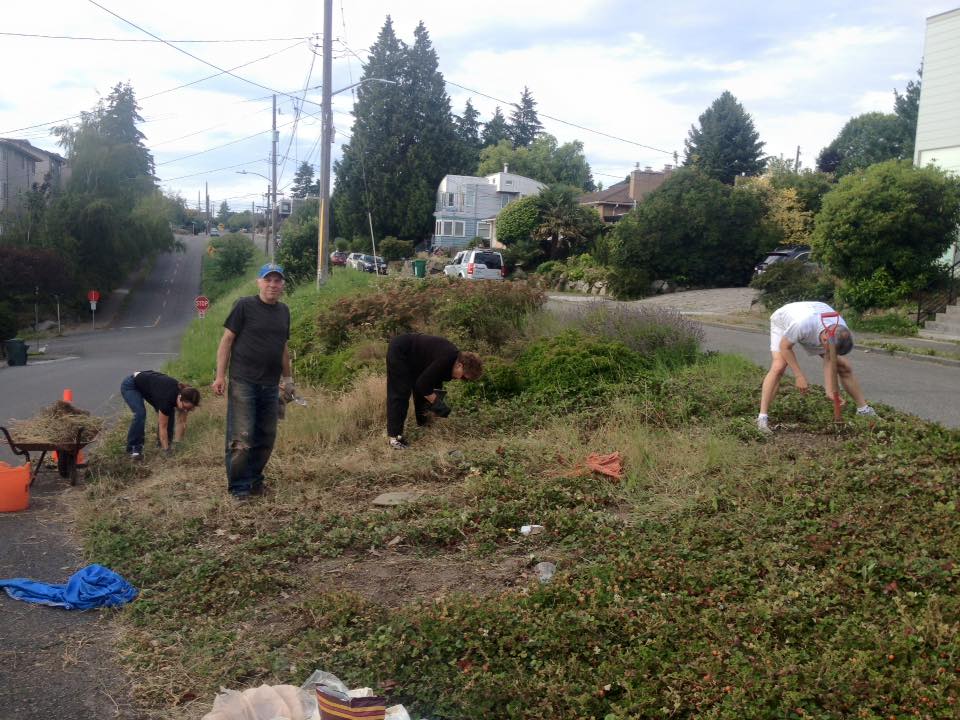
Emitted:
<point x="866" y="139"/>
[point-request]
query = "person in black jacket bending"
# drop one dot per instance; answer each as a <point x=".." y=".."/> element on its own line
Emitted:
<point x="420" y="364"/>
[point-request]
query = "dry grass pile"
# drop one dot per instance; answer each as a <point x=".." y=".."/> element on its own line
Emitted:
<point x="57" y="424"/>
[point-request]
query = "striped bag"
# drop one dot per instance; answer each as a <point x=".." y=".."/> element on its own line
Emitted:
<point x="336" y="706"/>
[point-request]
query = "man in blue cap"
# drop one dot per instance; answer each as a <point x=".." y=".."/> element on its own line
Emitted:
<point x="254" y="346"/>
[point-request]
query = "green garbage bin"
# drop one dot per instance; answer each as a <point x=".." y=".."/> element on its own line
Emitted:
<point x="16" y="351"/>
<point x="420" y="268"/>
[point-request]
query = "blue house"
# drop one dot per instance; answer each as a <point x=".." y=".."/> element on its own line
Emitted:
<point x="467" y="206"/>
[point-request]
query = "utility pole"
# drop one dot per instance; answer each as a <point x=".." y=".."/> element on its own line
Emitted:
<point x="206" y="191"/>
<point x="326" y="122"/>
<point x="796" y="162"/>
<point x="273" y="206"/>
<point x="253" y="222"/>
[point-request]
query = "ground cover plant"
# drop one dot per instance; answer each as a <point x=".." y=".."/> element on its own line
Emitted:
<point x="725" y="575"/>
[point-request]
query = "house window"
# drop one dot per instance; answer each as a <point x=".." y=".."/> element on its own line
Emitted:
<point x="483" y="230"/>
<point x="509" y="182"/>
<point x="449" y="199"/>
<point x="504" y="200"/>
<point x="438" y="230"/>
<point x="468" y="199"/>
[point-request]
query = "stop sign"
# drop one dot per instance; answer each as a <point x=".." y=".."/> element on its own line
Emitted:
<point x="202" y="302"/>
<point x="93" y="296"/>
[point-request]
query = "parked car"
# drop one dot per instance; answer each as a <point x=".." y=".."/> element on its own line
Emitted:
<point x="214" y="232"/>
<point x="369" y="263"/>
<point x="477" y="265"/>
<point x="338" y="257"/>
<point x="795" y="252"/>
<point x="353" y="259"/>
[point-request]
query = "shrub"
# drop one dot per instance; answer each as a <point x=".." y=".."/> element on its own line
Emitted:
<point x="897" y="322"/>
<point x="298" y="253"/>
<point x="877" y="291"/>
<point x="517" y="221"/>
<point x="341" y="244"/>
<point x="390" y="248"/>
<point x="792" y="281"/>
<point x="231" y="255"/>
<point x="472" y="311"/>
<point x="8" y="322"/>
<point x="574" y="366"/>
<point x="629" y="283"/>
<point x="660" y="335"/>
<point x="892" y="217"/>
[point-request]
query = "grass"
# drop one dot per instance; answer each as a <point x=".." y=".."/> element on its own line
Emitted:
<point x="727" y="575"/>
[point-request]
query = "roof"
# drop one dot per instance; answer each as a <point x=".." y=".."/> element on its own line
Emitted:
<point x="24" y="147"/>
<point x="616" y="194"/>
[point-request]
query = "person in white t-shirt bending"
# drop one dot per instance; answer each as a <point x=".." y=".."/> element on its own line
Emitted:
<point x="800" y="323"/>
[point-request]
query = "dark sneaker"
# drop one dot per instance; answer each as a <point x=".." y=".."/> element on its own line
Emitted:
<point x="259" y="490"/>
<point x="398" y="443"/>
<point x="136" y="456"/>
<point x="241" y="496"/>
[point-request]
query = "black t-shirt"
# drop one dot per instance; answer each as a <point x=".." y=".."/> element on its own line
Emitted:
<point x="160" y="390"/>
<point x="262" y="331"/>
<point x="429" y="360"/>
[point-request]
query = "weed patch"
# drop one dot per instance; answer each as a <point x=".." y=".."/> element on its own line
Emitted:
<point x="726" y="575"/>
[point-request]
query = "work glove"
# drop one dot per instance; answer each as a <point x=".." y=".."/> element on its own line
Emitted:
<point x="439" y="407"/>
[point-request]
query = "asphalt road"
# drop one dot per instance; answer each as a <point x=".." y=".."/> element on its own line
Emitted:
<point x="925" y="389"/>
<point x="56" y="663"/>
<point x="142" y="337"/>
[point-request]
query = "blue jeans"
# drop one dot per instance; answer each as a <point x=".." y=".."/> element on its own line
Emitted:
<point x="252" y="411"/>
<point x="134" y="400"/>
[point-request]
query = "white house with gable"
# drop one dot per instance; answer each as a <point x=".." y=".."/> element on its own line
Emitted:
<point x="938" y="120"/>
<point x="467" y="206"/>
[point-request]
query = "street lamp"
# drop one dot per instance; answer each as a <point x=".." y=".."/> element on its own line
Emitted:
<point x="268" y="243"/>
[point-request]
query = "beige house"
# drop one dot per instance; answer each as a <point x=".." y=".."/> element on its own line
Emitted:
<point x="617" y="200"/>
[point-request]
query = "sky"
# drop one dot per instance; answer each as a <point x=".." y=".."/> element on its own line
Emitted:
<point x="627" y="78"/>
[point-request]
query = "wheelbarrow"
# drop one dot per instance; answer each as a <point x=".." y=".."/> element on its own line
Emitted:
<point x="68" y="454"/>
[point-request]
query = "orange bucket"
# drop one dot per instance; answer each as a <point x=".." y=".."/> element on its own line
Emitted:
<point x="14" y="487"/>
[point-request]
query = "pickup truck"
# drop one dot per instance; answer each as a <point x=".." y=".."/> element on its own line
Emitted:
<point x="477" y="265"/>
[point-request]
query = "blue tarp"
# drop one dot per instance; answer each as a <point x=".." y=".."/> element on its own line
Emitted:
<point x="91" y="587"/>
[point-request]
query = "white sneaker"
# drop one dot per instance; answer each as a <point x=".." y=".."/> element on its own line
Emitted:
<point x="763" y="425"/>
<point x="398" y="443"/>
<point x="867" y="411"/>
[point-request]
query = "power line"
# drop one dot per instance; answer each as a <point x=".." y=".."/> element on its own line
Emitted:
<point x="208" y="172"/>
<point x="145" y="40"/>
<point x="564" y="122"/>
<point x="189" y="54"/>
<point x="212" y="127"/>
<point x="296" y="118"/>
<point x="162" y="92"/>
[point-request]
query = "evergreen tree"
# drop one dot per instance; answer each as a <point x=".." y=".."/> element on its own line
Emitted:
<point x="428" y="141"/>
<point x="368" y="164"/>
<point x="403" y="141"/>
<point x="224" y="213"/>
<point x="303" y="181"/>
<point x="468" y="132"/>
<point x="524" y="123"/>
<point x="726" y="144"/>
<point x="906" y="107"/>
<point x="495" y="130"/>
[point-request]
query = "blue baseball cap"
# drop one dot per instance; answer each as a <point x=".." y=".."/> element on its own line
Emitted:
<point x="268" y="268"/>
